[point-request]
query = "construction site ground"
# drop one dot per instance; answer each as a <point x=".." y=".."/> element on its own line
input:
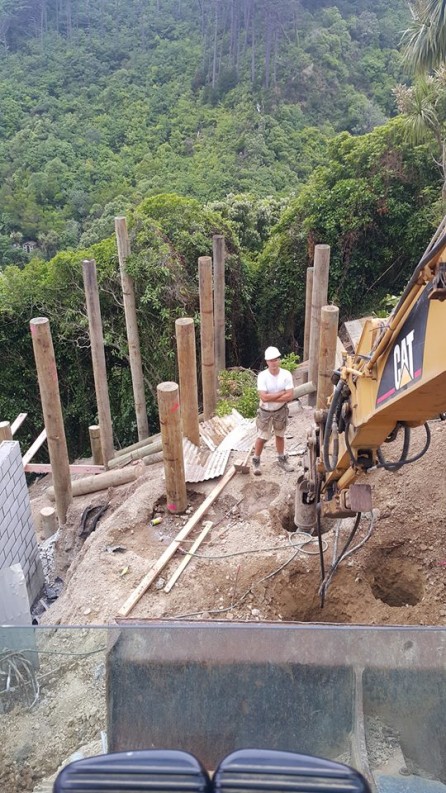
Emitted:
<point x="256" y="568"/>
<point x="397" y="577"/>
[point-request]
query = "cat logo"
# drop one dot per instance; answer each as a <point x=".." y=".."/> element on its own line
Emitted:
<point x="404" y="364"/>
<point x="403" y="367"/>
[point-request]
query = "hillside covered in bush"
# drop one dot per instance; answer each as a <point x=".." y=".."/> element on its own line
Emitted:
<point x="274" y="124"/>
<point x="104" y="104"/>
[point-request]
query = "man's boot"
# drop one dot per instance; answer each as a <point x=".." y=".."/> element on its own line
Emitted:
<point x="256" y="466"/>
<point x="282" y="462"/>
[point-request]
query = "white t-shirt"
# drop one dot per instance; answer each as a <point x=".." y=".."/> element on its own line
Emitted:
<point x="273" y="384"/>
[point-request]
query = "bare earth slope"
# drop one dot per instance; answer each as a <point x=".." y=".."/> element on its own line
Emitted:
<point x="396" y="577"/>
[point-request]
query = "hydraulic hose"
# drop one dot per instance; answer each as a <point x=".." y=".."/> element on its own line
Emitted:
<point x="398" y="464"/>
<point x="336" y="563"/>
<point x="319" y="535"/>
<point x="394" y="466"/>
<point x="353" y="459"/>
<point x="332" y="411"/>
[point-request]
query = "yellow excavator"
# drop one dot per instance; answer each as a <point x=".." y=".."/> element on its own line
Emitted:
<point x="394" y="381"/>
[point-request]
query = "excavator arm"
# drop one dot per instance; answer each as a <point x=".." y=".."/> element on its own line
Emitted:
<point x="395" y="380"/>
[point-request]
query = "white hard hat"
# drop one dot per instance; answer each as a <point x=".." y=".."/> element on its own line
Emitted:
<point x="271" y="353"/>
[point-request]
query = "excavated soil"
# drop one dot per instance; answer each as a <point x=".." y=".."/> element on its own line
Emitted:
<point x="250" y="567"/>
<point x="396" y="577"/>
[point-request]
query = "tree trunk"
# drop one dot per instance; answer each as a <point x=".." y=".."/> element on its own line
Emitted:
<point x="43" y="21"/>
<point x="276" y="50"/>
<point x="253" y="46"/>
<point x="214" y="58"/>
<point x="69" y="18"/>
<point x="268" y="46"/>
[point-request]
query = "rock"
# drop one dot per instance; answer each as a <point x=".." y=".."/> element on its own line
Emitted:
<point x="255" y="612"/>
<point x="87" y="611"/>
<point x="99" y="672"/>
<point x="160" y="583"/>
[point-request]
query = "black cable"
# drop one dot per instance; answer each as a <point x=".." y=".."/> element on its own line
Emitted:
<point x="327" y="429"/>
<point x="319" y="533"/>
<point x="353" y="459"/>
<point x="396" y="466"/>
<point x="339" y="559"/>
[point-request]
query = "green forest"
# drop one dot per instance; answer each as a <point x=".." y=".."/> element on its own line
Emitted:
<point x="279" y="124"/>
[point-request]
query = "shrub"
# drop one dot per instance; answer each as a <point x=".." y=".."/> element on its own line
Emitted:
<point x="237" y="389"/>
<point x="290" y="362"/>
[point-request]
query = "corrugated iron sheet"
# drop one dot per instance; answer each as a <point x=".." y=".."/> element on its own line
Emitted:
<point x="233" y="433"/>
<point x="201" y="465"/>
<point x="240" y="438"/>
<point x="215" y="430"/>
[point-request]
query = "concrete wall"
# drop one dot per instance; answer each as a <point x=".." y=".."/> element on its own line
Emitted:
<point x="18" y="542"/>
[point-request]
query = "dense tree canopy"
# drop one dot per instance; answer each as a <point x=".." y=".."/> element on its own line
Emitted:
<point x="270" y="123"/>
<point x="376" y="203"/>
<point x="106" y="101"/>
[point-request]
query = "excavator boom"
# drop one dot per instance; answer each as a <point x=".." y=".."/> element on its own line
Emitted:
<point x="395" y="379"/>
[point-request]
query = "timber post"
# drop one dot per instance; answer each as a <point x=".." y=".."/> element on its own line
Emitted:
<point x="98" y="357"/>
<point x="319" y="299"/>
<point x="52" y="413"/>
<point x="95" y="444"/>
<point x="207" y="337"/>
<point x="187" y="375"/>
<point x="5" y="431"/>
<point x="308" y="298"/>
<point x="218" y="257"/>
<point x="48" y="521"/>
<point x="327" y="354"/>
<point x="91" y="484"/>
<point x="128" y="293"/>
<point x="170" y="422"/>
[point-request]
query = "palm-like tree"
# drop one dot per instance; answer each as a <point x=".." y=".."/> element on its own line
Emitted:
<point x="424" y="41"/>
<point x="423" y="107"/>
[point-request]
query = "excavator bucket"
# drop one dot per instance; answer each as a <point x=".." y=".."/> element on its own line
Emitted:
<point x="372" y="698"/>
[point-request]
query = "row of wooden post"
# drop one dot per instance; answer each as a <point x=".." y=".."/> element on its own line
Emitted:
<point x="178" y="406"/>
<point x="319" y="345"/>
<point x="101" y="435"/>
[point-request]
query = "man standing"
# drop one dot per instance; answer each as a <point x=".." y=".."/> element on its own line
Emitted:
<point x="275" y="387"/>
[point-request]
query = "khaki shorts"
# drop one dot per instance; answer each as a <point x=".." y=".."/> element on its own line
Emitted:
<point x="269" y="421"/>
